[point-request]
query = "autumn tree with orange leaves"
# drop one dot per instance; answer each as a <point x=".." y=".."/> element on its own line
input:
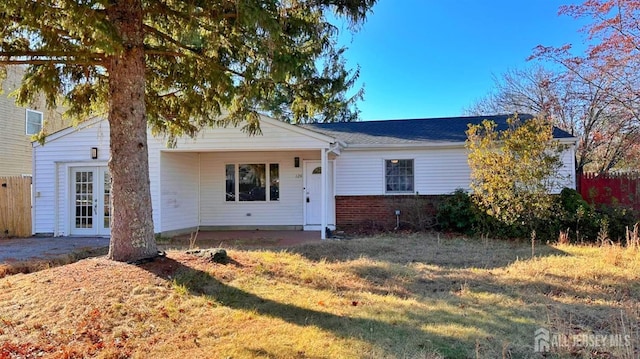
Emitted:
<point x="604" y="130"/>
<point x="611" y="63"/>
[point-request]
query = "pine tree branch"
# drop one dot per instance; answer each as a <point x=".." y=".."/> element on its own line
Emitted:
<point x="165" y="37"/>
<point x="165" y="10"/>
<point x="51" y="53"/>
<point x="162" y="36"/>
<point x="53" y="60"/>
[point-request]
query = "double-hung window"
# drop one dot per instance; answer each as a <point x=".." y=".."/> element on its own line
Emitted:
<point x="253" y="182"/>
<point x="399" y="176"/>
<point x="34" y="121"/>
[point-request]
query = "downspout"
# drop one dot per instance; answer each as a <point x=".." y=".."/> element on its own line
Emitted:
<point x="323" y="193"/>
<point x="199" y="190"/>
<point x="333" y="193"/>
<point x="33" y="192"/>
<point x="56" y="201"/>
<point x="324" y="190"/>
<point x="159" y="194"/>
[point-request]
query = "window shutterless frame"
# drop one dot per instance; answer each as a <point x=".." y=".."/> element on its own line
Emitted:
<point x="399" y="175"/>
<point x="252" y="182"/>
<point x="33" y="122"/>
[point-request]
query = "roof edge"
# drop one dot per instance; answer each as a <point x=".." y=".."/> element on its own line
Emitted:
<point x="300" y="130"/>
<point x="268" y="119"/>
<point x="447" y="144"/>
<point x="71" y="129"/>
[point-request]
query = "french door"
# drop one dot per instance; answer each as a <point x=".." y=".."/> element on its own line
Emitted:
<point x="90" y="201"/>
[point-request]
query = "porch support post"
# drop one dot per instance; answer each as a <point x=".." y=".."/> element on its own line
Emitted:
<point x="323" y="194"/>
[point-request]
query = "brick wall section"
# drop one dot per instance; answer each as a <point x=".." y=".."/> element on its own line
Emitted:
<point x="377" y="213"/>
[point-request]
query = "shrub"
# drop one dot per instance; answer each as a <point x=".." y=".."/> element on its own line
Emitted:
<point x="513" y="169"/>
<point x="586" y="222"/>
<point x="571" y="214"/>
<point x="457" y="213"/>
<point x="618" y="219"/>
<point x="571" y="201"/>
<point x="574" y="215"/>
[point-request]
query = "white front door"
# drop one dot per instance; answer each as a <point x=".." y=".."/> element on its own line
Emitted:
<point x="90" y="201"/>
<point x="313" y="193"/>
<point x="313" y="189"/>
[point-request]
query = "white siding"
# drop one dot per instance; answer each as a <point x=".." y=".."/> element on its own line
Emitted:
<point x="436" y="171"/>
<point x="155" y="146"/>
<point x="188" y="183"/>
<point x="52" y="163"/>
<point x="288" y="211"/>
<point x="217" y="147"/>
<point x="567" y="173"/>
<point x="275" y="136"/>
<point x="179" y="197"/>
<point x="175" y="176"/>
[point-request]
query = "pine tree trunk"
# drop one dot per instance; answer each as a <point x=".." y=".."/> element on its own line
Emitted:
<point x="132" y="236"/>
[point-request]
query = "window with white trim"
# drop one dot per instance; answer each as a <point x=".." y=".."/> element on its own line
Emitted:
<point x="399" y="176"/>
<point x="33" y="121"/>
<point x="256" y="182"/>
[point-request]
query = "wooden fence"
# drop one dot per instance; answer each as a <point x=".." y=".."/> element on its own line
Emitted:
<point x="15" y="207"/>
<point x="611" y="189"/>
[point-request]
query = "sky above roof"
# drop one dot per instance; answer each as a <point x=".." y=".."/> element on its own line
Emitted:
<point x="425" y="58"/>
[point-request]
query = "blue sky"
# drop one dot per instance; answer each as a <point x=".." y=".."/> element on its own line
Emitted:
<point x="434" y="58"/>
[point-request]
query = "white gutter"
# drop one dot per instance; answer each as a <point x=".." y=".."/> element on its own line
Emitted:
<point x="425" y="145"/>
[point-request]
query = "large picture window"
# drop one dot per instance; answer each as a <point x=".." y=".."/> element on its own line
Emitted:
<point x="256" y="182"/>
<point x="399" y="176"/>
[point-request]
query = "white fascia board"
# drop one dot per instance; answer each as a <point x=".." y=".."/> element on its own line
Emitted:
<point x="399" y="146"/>
<point x="382" y="146"/>
<point x="568" y="140"/>
<point x="293" y="128"/>
<point x="297" y="129"/>
<point x="69" y="130"/>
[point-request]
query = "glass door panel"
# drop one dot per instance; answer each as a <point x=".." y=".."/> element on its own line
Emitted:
<point x="91" y="199"/>
<point x="106" y="205"/>
<point x="83" y="199"/>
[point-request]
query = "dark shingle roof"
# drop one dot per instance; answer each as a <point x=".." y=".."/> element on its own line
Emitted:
<point x="414" y="131"/>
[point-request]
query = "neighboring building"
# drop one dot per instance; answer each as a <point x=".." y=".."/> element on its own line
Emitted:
<point x="18" y="124"/>
<point x="291" y="177"/>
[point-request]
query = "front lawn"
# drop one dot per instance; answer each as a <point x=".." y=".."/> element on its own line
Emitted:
<point x="416" y="296"/>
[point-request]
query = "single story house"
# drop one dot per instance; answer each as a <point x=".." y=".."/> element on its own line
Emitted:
<point x="304" y="177"/>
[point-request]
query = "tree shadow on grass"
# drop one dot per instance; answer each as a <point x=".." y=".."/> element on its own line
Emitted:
<point x="378" y="333"/>
<point x="453" y="253"/>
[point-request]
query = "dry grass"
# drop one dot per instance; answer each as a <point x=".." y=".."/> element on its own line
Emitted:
<point x="24" y="267"/>
<point x="396" y="297"/>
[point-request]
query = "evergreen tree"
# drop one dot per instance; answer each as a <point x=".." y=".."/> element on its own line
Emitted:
<point x="176" y="66"/>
